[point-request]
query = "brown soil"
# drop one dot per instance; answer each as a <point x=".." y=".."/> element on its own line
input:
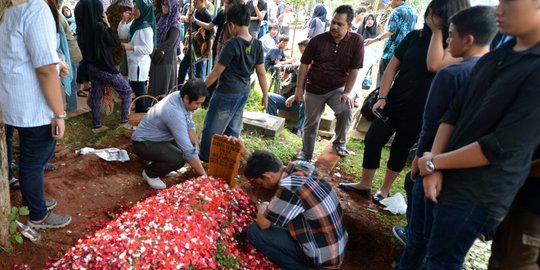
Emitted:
<point x="90" y="189"/>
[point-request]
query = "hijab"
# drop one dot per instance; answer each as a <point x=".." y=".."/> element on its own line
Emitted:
<point x="368" y="32"/>
<point x="168" y="21"/>
<point x="90" y="25"/>
<point x="319" y="12"/>
<point x="147" y="18"/>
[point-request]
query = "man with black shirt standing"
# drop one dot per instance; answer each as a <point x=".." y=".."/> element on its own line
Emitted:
<point x="257" y="11"/>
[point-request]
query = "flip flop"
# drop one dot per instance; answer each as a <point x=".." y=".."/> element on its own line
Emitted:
<point x="341" y="150"/>
<point x="81" y="93"/>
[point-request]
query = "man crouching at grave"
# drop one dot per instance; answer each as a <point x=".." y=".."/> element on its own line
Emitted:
<point x="302" y="227"/>
<point x="166" y="135"/>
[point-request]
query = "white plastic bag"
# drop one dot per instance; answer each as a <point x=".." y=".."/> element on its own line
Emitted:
<point x="395" y="204"/>
<point x="108" y="154"/>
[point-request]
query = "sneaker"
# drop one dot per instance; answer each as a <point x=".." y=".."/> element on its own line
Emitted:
<point x="51" y="221"/>
<point x="100" y="129"/>
<point x="50" y="203"/>
<point x="155" y="183"/>
<point x="302" y="157"/>
<point x="14" y="183"/>
<point x="400" y="234"/>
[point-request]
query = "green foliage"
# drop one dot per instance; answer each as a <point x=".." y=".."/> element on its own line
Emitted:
<point x="14" y="214"/>
<point x="224" y="259"/>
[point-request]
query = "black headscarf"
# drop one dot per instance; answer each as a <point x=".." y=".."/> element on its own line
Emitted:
<point x="89" y="19"/>
<point x="368" y="32"/>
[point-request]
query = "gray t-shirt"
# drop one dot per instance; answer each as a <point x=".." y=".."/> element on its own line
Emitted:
<point x="254" y="25"/>
<point x="239" y="58"/>
<point x="168" y="121"/>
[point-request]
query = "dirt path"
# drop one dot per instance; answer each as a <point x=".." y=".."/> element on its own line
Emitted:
<point x="92" y="190"/>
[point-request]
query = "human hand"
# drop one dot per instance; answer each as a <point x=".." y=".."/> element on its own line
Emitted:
<point x="64" y="69"/>
<point x="126" y="16"/>
<point x="255" y="3"/>
<point x="422" y="163"/>
<point x="381" y="103"/>
<point x="414" y="168"/>
<point x="434" y="22"/>
<point x="347" y="99"/>
<point x="57" y="125"/>
<point x="433" y="185"/>
<point x="127" y="46"/>
<point x="289" y="101"/>
<point x="369" y="41"/>
<point x="261" y="208"/>
<point x="264" y="102"/>
<point x="106" y="19"/>
<point x="299" y="95"/>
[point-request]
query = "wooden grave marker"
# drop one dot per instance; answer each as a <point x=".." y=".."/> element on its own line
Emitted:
<point x="224" y="159"/>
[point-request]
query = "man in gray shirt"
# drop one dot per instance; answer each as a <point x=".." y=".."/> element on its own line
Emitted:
<point x="166" y="135"/>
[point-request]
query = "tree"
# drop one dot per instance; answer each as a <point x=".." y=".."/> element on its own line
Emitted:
<point x="4" y="189"/>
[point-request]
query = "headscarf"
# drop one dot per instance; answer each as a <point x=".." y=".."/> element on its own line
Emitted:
<point x="168" y="21"/>
<point x="147" y="18"/>
<point x="368" y="32"/>
<point x="89" y="16"/>
<point x="318" y="12"/>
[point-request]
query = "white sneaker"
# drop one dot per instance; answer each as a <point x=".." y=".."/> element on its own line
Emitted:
<point x="155" y="183"/>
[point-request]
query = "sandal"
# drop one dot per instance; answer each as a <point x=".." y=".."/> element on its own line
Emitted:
<point x="341" y="150"/>
<point x="81" y="93"/>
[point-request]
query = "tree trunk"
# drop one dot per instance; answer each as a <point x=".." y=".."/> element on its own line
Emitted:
<point x="4" y="189"/>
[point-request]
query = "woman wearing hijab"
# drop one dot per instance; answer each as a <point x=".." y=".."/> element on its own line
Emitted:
<point x="163" y="68"/>
<point x="368" y="29"/>
<point x="96" y="39"/>
<point x="70" y="19"/>
<point x="317" y="24"/>
<point x="141" y="44"/>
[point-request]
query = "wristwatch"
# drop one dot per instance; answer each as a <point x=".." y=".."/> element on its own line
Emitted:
<point x="60" y="116"/>
<point x="382" y="97"/>
<point x="430" y="167"/>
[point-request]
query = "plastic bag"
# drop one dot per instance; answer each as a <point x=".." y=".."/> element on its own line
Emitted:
<point x="108" y="154"/>
<point x="395" y="204"/>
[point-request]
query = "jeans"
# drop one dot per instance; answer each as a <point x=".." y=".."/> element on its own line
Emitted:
<point x="71" y="100"/>
<point x="9" y="146"/>
<point x="139" y="89"/>
<point x="276" y="102"/>
<point x="224" y="117"/>
<point x="37" y="147"/>
<point x="165" y="156"/>
<point x="200" y="68"/>
<point x="278" y="244"/>
<point x="419" y="222"/>
<point x="455" y="227"/>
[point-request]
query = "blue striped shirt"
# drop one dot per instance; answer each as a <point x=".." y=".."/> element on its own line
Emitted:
<point x="28" y="41"/>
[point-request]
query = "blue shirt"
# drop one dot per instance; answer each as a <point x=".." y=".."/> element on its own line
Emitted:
<point x="445" y="85"/>
<point x="168" y="121"/>
<point x="400" y="23"/>
<point x="273" y="55"/>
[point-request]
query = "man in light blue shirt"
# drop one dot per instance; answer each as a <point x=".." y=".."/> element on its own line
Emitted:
<point x="166" y="135"/>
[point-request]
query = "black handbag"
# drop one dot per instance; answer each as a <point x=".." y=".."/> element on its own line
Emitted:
<point x="370" y="100"/>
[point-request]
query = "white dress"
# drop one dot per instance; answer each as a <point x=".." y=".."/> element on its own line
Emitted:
<point x="138" y="60"/>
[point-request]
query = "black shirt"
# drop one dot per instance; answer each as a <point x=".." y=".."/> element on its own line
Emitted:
<point x="411" y="85"/>
<point x="218" y="21"/>
<point x="500" y="109"/>
<point x="239" y="58"/>
<point x="254" y="25"/>
<point x="528" y="194"/>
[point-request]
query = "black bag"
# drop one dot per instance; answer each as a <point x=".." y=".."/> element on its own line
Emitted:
<point x="157" y="56"/>
<point x="366" y="83"/>
<point x="370" y="100"/>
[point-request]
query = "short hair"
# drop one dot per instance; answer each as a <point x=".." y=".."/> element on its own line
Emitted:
<point x="283" y="38"/>
<point x="304" y="42"/>
<point x="345" y="9"/>
<point x="239" y="15"/>
<point x="477" y="21"/>
<point x="273" y="26"/>
<point x="260" y="162"/>
<point x="194" y="89"/>
<point x="360" y="10"/>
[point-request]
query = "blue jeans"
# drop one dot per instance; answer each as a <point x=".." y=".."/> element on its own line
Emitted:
<point x="455" y="227"/>
<point x="278" y="244"/>
<point x="37" y="147"/>
<point x="419" y="222"/>
<point x="276" y="102"/>
<point x="224" y="117"/>
<point x="200" y="68"/>
<point x="9" y="146"/>
<point x="71" y="100"/>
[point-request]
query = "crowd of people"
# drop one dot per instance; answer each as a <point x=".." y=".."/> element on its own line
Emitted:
<point x="469" y="102"/>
